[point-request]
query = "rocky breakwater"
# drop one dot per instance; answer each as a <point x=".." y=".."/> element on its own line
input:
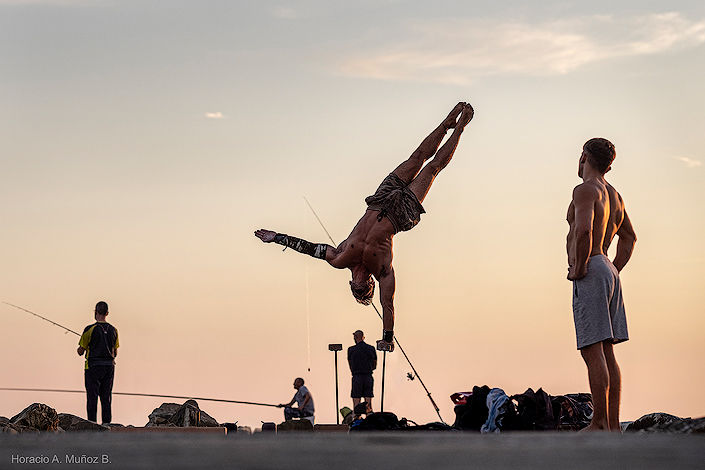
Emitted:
<point x="175" y="415"/>
<point x="40" y="417"/>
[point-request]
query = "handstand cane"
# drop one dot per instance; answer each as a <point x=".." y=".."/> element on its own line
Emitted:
<point x="384" y="368"/>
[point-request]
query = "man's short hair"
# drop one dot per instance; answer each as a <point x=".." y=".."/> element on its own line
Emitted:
<point x="601" y="153"/>
<point x="101" y="308"/>
<point x="299" y="378"/>
<point x="363" y="293"/>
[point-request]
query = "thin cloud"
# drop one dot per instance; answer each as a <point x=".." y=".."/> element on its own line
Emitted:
<point x="689" y="162"/>
<point x="58" y="3"/>
<point x="216" y="115"/>
<point x="285" y="13"/>
<point x="456" y="51"/>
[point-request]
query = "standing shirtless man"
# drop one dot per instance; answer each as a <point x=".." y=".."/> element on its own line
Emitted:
<point x="596" y="215"/>
<point x="395" y="207"/>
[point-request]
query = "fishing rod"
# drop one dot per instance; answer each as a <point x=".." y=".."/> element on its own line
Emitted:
<point x="433" y="402"/>
<point x="222" y="400"/>
<point x="68" y="330"/>
<point x="319" y="221"/>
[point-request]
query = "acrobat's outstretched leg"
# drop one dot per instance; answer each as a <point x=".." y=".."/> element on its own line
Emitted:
<point x="411" y="167"/>
<point x="422" y="183"/>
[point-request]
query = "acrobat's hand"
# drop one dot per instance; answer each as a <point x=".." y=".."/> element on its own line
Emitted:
<point x="382" y="345"/>
<point x="266" y="236"/>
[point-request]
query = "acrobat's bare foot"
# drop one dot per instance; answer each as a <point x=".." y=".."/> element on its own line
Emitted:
<point x="266" y="236"/>
<point x="466" y="116"/>
<point x="450" y="121"/>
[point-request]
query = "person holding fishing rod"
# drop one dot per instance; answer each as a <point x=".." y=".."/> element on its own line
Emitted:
<point x="302" y="398"/>
<point x="395" y="207"/>
<point x="100" y="343"/>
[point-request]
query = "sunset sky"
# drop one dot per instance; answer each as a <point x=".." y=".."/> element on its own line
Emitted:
<point x="143" y="142"/>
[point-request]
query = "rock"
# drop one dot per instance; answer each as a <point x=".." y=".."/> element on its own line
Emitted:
<point x="37" y="416"/>
<point x="7" y="427"/>
<point x="10" y="428"/>
<point x="160" y="416"/>
<point x="191" y="415"/>
<point x="188" y="414"/>
<point x="4" y="428"/>
<point x="663" y="422"/>
<point x="687" y="426"/>
<point x="624" y="425"/>
<point x="653" y="422"/>
<point x="71" y="423"/>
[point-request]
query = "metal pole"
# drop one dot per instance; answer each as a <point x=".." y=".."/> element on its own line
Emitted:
<point x="337" y="405"/>
<point x="384" y="369"/>
<point x="335" y="348"/>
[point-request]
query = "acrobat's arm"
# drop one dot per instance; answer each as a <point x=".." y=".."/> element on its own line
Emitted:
<point x="387" y="286"/>
<point x="316" y="250"/>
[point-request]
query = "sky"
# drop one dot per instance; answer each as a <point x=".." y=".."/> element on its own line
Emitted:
<point x="142" y="143"/>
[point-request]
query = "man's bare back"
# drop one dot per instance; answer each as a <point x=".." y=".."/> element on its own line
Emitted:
<point x="367" y="251"/>
<point x="600" y="216"/>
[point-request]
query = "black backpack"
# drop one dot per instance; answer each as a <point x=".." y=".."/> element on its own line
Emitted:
<point x="383" y="421"/>
<point x="472" y="415"/>
<point x="534" y="411"/>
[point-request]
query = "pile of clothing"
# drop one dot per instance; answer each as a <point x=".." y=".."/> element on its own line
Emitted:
<point x="492" y="410"/>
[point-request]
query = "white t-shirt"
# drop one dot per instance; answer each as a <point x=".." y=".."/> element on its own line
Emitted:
<point x="299" y="398"/>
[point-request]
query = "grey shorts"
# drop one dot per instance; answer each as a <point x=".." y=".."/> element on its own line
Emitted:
<point x="397" y="202"/>
<point x="598" y="307"/>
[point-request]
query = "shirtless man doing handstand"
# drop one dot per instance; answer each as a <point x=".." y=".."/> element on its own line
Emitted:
<point x="395" y="207"/>
<point x="596" y="215"/>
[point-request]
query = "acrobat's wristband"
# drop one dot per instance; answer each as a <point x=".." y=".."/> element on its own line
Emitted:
<point x="388" y="336"/>
<point x="317" y="250"/>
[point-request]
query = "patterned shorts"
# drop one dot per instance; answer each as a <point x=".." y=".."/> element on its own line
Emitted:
<point x="394" y="200"/>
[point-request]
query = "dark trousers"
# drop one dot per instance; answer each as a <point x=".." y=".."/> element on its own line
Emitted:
<point x="99" y="383"/>
<point x="291" y="413"/>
